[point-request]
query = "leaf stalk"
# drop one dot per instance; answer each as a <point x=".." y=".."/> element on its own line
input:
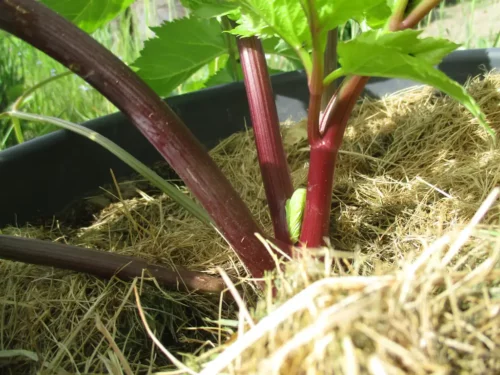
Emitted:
<point x="103" y="264"/>
<point x="417" y="14"/>
<point x="270" y="151"/>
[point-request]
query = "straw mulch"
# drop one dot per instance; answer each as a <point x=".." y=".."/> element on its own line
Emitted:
<point x="409" y="285"/>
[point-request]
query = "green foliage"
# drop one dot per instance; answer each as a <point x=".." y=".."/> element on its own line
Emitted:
<point x="207" y="76"/>
<point x="332" y="14"/>
<point x="432" y="50"/>
<point x="284" y="18"/>
<point x="23" y="66"/>
<point x="403" y="55"/>
<point x="294" y="212"/>
<point x="288" y="19"/>
<point x="377" y="16"/>
<point x="223" y="76"/>
<point x="392" y="4"/>
<point x="280" y="18"/>
<point x="180" y="49"/>
<point x="191" y="53"/>
<point x="279" y="47"/>
<point x="209" y="8"/>
<point x="89" y="15"/>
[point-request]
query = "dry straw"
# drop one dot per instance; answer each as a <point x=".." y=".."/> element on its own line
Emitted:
<point x="409" y="285"/>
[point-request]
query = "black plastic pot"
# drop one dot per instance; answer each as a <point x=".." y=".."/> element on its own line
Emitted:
<point x="41" y="177"/>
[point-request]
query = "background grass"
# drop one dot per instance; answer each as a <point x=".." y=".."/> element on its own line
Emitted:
<point x="471" y="23"/>
<point x="70" y="98"/>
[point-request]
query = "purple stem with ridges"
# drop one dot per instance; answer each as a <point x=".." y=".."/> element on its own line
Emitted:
<point x="271" y="154"/>
<point x="61" y="40"/>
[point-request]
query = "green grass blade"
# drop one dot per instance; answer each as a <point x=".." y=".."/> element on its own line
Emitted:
<point x="18" y="132"/>
<point x="16" y="124"/>
<point x="19" y="101"/>
<point x="6" y="136"/>
<point x="169" y="189"/>
<point x="496" y="41"/>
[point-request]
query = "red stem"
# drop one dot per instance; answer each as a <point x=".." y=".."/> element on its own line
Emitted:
<point x="272" y="158"/>
<point x="322" y="164"/>
<point x="325" y="149"/>
<point x="61" y="40"/>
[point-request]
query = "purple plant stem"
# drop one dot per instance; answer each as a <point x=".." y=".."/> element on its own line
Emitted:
<point x="271" y="154"/>
<point x="102" y="264"/>
<point x="61" y="40"/>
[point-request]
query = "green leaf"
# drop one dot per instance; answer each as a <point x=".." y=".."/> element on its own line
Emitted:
<point x="275" y="46"/>
<point x="284" y="57"/>
<point x="203" y="78"/>
<point x="88" y="15"/>
<point x="287" y="20"/>
<point x="377" y="16"/>
<point x="294" y="212"/>
<point x="391" y="4"/>
<point x="283" y="18"/>
<point x="223" y="76"/>
<point x="180" y="49"/>
<point x="209" y="8"/>
<point x="332" y="14"/>
<point x="432" y="50"/>
<point x="335" y="13"/>
<point x="403" y="55"/>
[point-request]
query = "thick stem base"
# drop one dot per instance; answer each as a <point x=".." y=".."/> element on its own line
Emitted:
<point x="319" y="195"/>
